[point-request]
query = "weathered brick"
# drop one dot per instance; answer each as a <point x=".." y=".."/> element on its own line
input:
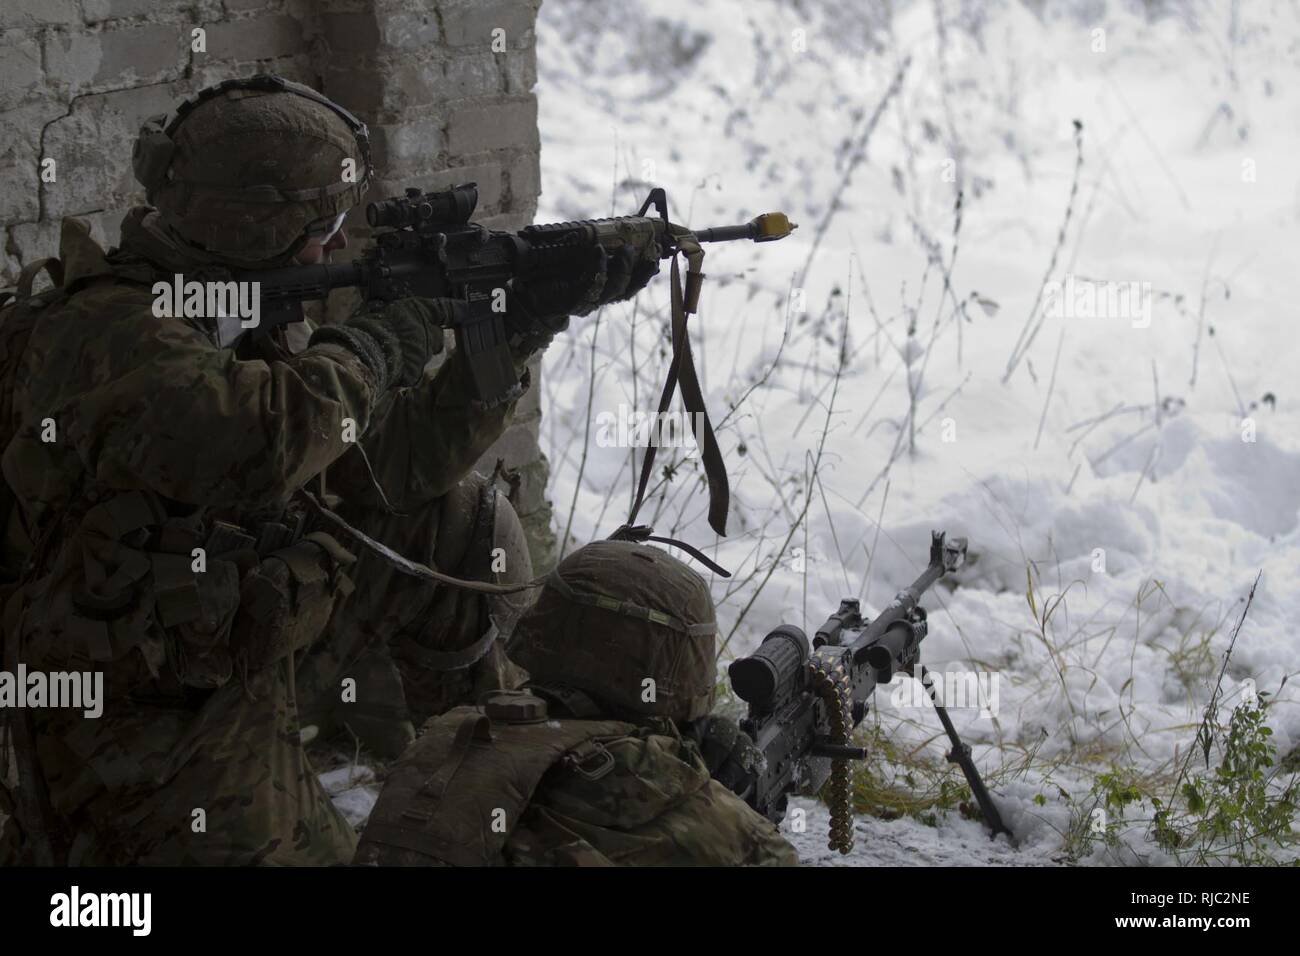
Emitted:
<point x="140" y="54"/>
<point x="472" y="22"/>
<point x="290" y="67"/>
<point x="240" y="6"/>
<point x="474" y="75"/>
<point x="361" y="90"/>
<point x="350" y="32"/>
<point x="96" y="10"/>
<point x="494" y="126"/>
<point x="257" y="38"/>
<point x="524" y="177"/>
<point x="408" y="144"/>
<point x="409" y="30"/>
<point x="393" y="90"/>
<point x="26" y="14"/>
<point x="20" y="159"/>
<point x="21" y="195"/>
<point x="35" y="240"/>
<point x="92" y="147"/>
<point x="20" y="69"/>
<point x="147" y="52"/>
<point x="520" y="69"/>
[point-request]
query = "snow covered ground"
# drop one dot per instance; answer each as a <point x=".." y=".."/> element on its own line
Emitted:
<point x="1131" y="469"/>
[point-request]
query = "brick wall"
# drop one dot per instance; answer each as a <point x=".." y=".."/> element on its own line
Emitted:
<point x="77" y="77"/>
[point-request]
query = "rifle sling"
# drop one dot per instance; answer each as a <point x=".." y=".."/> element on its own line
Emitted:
<point x="682" y="367"/>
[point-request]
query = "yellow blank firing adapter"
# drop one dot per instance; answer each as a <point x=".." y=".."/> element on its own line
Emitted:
<point x="772" y="225"/>
<point x="765" y="228"/>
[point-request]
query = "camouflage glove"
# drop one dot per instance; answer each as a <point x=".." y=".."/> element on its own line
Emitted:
<point x="397" y="343"/>
<point x="730" y="754"/>
<point x="543" y="307"/>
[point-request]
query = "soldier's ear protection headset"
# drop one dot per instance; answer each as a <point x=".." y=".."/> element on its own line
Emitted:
<point x="151" y="158"/>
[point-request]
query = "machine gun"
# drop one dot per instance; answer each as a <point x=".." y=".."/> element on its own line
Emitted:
<point x="428" y="247"/>
<point x="804" y="703"/>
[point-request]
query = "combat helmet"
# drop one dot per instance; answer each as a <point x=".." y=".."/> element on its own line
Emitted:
<point x="615" y="616"/>
<point x="244" y="170"/>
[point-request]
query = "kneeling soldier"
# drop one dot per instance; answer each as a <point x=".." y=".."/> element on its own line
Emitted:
<point x="593" y="763"/>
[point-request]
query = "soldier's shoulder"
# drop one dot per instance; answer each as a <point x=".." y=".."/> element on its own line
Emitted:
<point x="104" y="297"/>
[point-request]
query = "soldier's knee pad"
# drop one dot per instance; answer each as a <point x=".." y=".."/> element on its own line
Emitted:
<point x="510" y="563"/>
<point x="479" y="530"/>
<point x="458" y="521"/>
<point x="480" y="537"/>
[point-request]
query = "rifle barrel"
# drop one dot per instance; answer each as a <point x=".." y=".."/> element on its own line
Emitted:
<point x="765" y="228"/>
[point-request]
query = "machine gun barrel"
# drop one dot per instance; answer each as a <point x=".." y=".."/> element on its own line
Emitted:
<point x="886" y="630"/>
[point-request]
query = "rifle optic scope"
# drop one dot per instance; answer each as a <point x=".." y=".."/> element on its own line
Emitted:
<point x="451" y="206"/>
<point x="773" y="671"/>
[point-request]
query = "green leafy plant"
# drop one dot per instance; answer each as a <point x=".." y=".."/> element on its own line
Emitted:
<point x="1237" y="808"/>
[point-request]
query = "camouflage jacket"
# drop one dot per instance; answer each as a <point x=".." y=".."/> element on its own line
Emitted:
<point x="133" y="434"/>
<point x="472" y="791"/>
<point x="138" y="401"/>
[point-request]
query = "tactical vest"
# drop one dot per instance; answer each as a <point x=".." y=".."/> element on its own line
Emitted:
<point x="458" y="793"/>
<point x="17" y="319"/>
<point x="112" y="583"/>
<point x="267" y="583"/>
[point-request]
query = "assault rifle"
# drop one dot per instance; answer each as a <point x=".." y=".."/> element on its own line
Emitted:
<point x="429" y="248"/>
<point x="804" y="703"/>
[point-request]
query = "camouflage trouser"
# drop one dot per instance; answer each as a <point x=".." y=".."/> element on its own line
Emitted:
<point x="388" y="660"/>
<point x="228" y="785"/>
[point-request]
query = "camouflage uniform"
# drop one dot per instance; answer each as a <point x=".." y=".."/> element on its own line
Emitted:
<point x="159" y="435"/>
<point x="584" y="767"/>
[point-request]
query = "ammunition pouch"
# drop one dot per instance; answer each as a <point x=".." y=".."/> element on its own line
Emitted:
<point x="286" y="601"/>
<point x="249" y="599"/>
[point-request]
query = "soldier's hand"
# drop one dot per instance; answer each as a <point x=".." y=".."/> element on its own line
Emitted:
<point x="730" y="754"/>
<point x="597" y="279"/>
<point x="397" y="343"/>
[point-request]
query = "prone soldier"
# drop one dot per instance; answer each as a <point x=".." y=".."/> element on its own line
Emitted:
<point x="596" y="760"/>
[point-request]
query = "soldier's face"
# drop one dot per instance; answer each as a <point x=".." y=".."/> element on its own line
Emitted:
<point x="316" y="251"/>
<point x="321" y="241"/>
